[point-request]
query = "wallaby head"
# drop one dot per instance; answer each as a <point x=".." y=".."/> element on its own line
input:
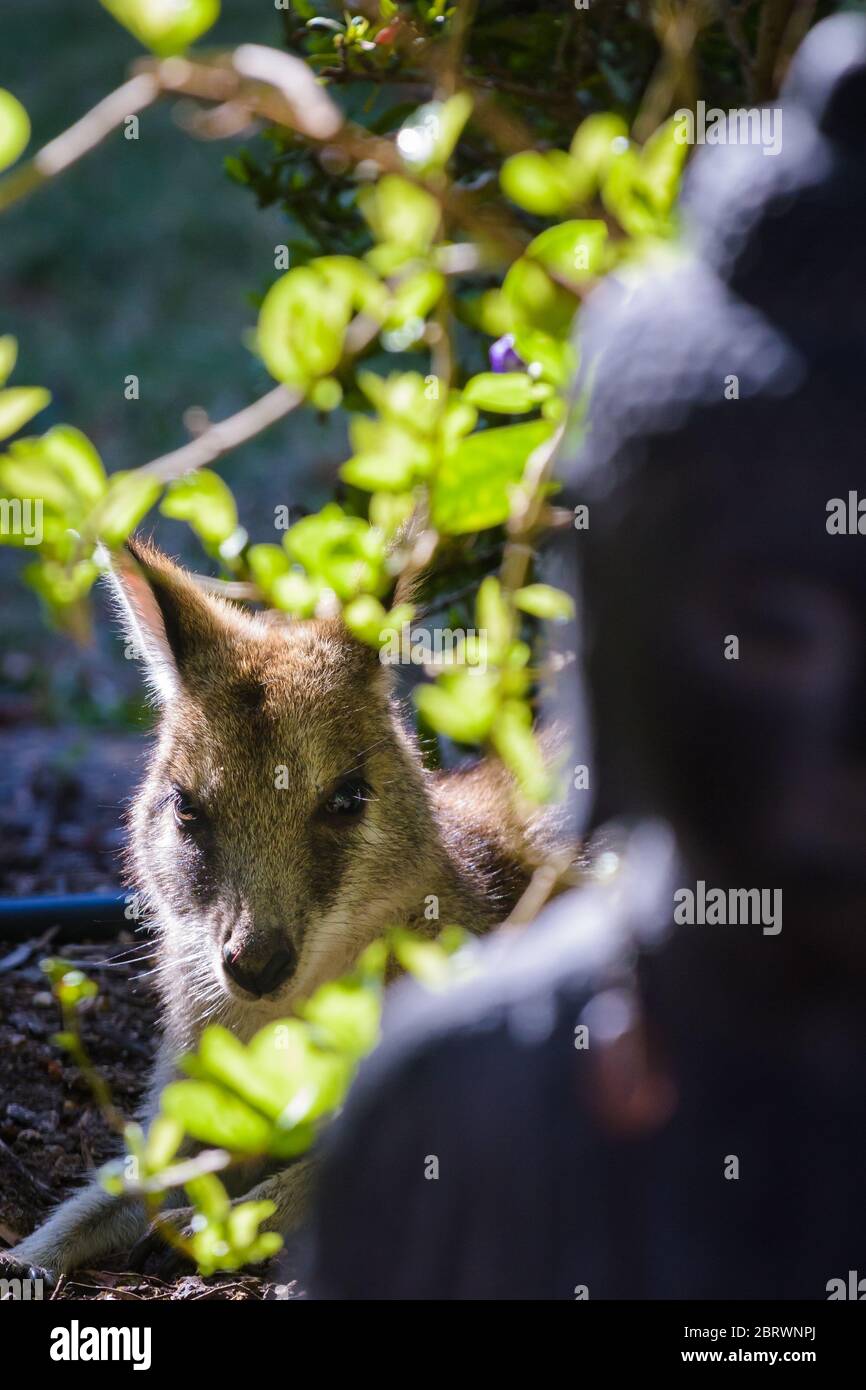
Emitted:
<point x="284" y="820"/>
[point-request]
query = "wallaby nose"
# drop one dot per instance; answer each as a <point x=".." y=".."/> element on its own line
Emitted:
<point x="261" y="979"/>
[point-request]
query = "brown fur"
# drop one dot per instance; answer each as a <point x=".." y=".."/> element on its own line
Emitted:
<point x="243" y="698"/>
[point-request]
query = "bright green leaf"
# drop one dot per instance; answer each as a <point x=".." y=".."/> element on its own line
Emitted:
<point x="76" y="459"/>
<point x="535" y="301"/>
<point x="462" y="704"/>
<point x="302" y="324"/>
<point x="572" y="250"/>
<point x="267" y="563"/>
<point x="210" y="1113"/>
<point x="598" y="141"/>
<point x="494" y="617"/>
<point x="473" y="486"/>
<point x="18" y="404"/>
<point x="543" y="183"/>
<point x="164" y="1138"/>
<point x="206" y="502"/>
<point x="165" y="26"/>
<point x="661" y="165"/>
<point x="8" y="357"/>
<point x="365" y="617"/>
<point x="208" y="1195"/>
<point x="129" y="498"/>
<point x="400" y="212"/>
<point x="543" y="601"/>
<point x="14" y="129"/>
<point x="510" y="393"/>
<point x="427" y="139"/>
<point x="517" y="746"/>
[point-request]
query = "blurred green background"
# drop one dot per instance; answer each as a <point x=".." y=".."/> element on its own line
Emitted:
<point x="143" y="258"/>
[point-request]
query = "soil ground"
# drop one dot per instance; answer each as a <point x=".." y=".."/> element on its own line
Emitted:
<point x="61" y="802"/>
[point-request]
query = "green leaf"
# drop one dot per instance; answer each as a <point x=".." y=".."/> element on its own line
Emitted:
<point x="626" y="197"/>
<point x="208" y="1196"/>
<point x="213" y="1115"/>
<point x="598" y="142"/>
<point x="472" y="488"/>
<point x="400" y="212"/>
<point x="427" y="139"/>
<point x="573" y="250"/>
<point x="355" y="281"/>
<point x="426" y="960"/>
<point x="388" y="456"/>
<point x="8" y="357"/>
<point x="541" y="183"/>
<point x="76" y="459"/>
<point x="518" y="748"/>
<point x="535" y="301"/>
<point x="244" y="1220"/>
<point x="555" y="357"/>
<point x="510" y="393"/>
<point x="365" y="617"/>
<point x="462" y="704"/>
<point x="661" y="165"/>
<point x="255" y="1078"/>
<point x="18" y="404"/>
<point x="164" y="1138"/>
<point x="326" y="394"/>
<point x="342" y="551"/>
<point x="14" y="130"/>
<point x="74" y="988"/>
<point x="543" y="601"/>
<point x="206" y="502"/>
<point x="346" y="1015"/>
<point x="494" y="617"/>
<point x="25" y="472"/>
<point x="267" y="563"/>
<point x="165" y="26"/>
<point x="302" y="324"/>
<point x="59" y="586"/>
<point x="296" y="594"/>
<point x="129" y="498"/>
<point x="414" y="297"/>
<point x="389" y="511"/>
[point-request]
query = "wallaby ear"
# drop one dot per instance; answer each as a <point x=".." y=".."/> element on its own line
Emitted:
<point x="165" y="616"/>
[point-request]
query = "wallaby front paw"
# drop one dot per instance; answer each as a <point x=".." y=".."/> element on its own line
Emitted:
<point x="14" y="1268"/>
<point x="154" y="1253"/>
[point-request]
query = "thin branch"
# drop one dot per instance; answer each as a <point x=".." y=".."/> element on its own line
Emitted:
<point x="237" y="429"/>
<point x="554" y="873"/>
<point x="526" y="512"/>
<point x="227" y="434"/>
<point x="775" y="17"/>
<point x="733" y="24"/>
<point x="82" y="137"/>
<point x="272" y="86"/>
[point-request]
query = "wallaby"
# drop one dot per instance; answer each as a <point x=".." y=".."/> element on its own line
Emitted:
<point x="286" y="820"/>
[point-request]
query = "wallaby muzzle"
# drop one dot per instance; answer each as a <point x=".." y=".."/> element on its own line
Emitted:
<point x="259" y="967"/>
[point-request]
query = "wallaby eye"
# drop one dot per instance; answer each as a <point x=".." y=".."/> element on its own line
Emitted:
<point x="185" y="808"/>
<point x="347" y="800"/>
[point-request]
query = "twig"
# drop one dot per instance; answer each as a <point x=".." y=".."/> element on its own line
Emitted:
<point x="82" y="137"/>
<point x="526" y="511"/>
<point x="543" y="884"/>
<point x="733" y="23"/>
<point x="774" y="21"/>
<point x="227" y="434"/>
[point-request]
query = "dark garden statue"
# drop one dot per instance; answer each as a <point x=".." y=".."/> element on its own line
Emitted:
<point x="659" y="1090"/>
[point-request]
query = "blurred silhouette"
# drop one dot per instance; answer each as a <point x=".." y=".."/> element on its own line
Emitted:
<point x="659" y="1090"/>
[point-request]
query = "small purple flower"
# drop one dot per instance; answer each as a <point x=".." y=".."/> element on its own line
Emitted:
<point x="502" y="356"/>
